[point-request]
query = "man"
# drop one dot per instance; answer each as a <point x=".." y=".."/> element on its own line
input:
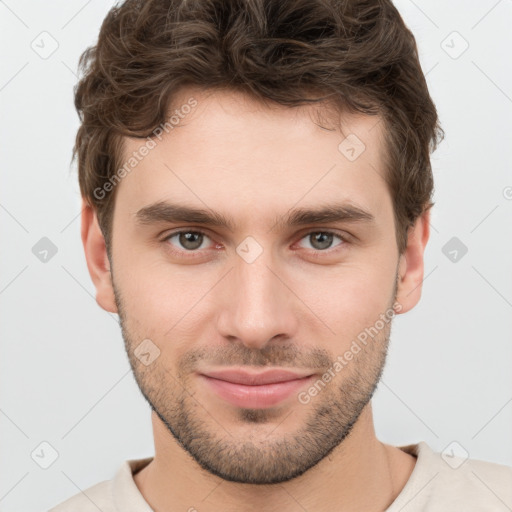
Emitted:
<point x="257" y="189"/>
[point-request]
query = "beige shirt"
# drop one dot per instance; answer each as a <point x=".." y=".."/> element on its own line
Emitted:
<point x="438" y="483"/>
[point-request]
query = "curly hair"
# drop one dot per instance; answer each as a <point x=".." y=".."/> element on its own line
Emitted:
<point x="358" y="54"/>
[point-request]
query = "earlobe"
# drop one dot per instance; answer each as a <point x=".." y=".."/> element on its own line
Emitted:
<point x="97" y="258"/>
<point x="411" y="265"/>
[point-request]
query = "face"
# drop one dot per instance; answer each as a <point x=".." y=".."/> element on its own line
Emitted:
<point x="291" y="263"/>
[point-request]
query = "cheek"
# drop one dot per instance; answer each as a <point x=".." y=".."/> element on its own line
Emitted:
<point x="349" y="298"/>
<point x="154" y="288"/>
<point x="166" y="304"/>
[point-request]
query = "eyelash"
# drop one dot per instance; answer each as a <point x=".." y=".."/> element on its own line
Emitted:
<point x="344" y="239"/>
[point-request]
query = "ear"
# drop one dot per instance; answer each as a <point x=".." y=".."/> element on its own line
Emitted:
<point x="97" y="258"/>
<point x="410" y="272"/>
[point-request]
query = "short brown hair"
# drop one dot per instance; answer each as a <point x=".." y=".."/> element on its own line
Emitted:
<point x="357" y="54"/>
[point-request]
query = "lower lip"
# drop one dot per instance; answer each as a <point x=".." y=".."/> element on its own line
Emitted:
<point x="255" y="397"/>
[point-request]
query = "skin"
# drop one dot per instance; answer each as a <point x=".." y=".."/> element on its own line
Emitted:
<point x="295" y="306"/>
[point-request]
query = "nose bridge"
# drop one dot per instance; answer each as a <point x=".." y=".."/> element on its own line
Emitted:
<point x="258" y="303"/>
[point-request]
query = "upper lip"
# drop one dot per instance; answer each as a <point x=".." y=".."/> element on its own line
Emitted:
<point x="255" y="378"/>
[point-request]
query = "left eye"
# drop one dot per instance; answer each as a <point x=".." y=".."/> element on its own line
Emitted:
<point x="322" y="240"/>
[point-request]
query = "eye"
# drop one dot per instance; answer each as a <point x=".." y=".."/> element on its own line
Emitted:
<point x="188" y="240"/>
<point x="322" y="240"/>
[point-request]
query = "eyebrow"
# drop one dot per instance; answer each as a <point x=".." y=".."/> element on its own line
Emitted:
<point x="163" y="211"/>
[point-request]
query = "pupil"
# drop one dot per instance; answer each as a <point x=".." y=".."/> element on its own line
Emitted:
<point x="322" y="240"/>
<point x="187" y="240"/>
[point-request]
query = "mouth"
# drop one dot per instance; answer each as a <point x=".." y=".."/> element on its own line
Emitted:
<point x="255" y="390"/>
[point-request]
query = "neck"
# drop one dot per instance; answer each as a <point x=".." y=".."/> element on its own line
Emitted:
<point x="360" y="474"/>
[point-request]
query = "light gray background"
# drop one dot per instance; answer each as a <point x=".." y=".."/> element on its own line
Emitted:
<point x="64" y="376"/>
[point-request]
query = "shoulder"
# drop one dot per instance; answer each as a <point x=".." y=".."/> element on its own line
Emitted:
<point x="445" y="481"/>
<point x="96" y="497"/>
<point x="120" y="493"/>
<point x="477" y="483"/>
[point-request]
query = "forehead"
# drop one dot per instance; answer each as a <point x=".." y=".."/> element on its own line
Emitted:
<point x="229" y="152"/>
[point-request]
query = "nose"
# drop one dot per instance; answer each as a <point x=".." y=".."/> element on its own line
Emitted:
<point x="258" y="305"/>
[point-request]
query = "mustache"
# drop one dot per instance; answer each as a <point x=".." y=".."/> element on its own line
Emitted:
<point x="270" y="355"/>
